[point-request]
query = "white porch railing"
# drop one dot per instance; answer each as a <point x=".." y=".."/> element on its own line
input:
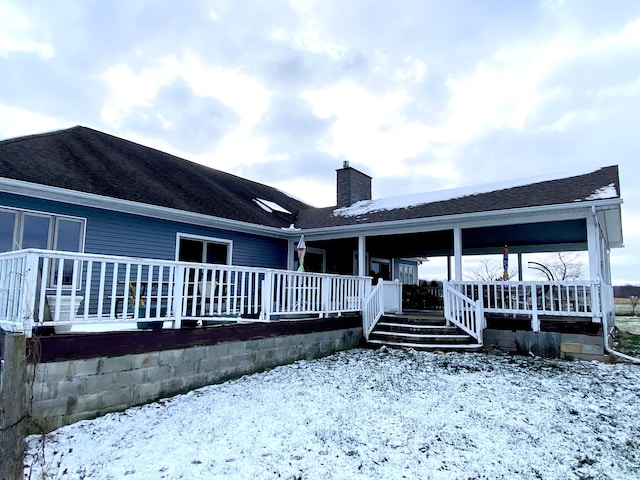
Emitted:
<point x="385" y="297"/>
<point x="464" y="312"/>
<point x="372" y="309"/>
<point x="392" y="296"/>
<point x="565" y="299"/>
<point x="40" y="288"/>
<point x="298" y="293"/>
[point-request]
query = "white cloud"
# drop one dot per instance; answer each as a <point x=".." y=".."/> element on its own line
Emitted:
<point x="368" y="128"/>
<point x="312" y="192"/>
<point x="245" y="95"/>
<point x="18" y="32"/>
<point x="307" y="39"/>
<point x="16" y="122"/>
<point x="129" y="89"/>
<point x="233" y="87"/>
<point x="413" y="70"/>
<point x="505" y="90"/>
<point x="625" y="39"/>
<point x="619" y="91"/>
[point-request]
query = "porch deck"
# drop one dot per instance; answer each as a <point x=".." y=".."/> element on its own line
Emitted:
<point x="71" y="292"/>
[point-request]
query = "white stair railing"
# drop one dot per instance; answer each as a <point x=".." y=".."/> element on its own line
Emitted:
<point x="372" y="309"/>
<point x="464" y="312"/>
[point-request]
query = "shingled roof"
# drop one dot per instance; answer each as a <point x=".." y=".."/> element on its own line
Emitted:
<point x="89" y="161"/>
<point x="598" y="185"/>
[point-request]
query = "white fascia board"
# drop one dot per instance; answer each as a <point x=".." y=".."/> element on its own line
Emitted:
<point x="75" y="197"/>
<point x="558" y="212"/>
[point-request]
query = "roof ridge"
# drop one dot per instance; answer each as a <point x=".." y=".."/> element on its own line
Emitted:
<point x="49" y="133"/>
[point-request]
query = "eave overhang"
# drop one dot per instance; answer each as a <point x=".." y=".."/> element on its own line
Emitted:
<point x="75" y="197"/>
<point x="609" y="209"/>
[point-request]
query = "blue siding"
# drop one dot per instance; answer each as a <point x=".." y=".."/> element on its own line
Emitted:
<point x="114" y="233"/>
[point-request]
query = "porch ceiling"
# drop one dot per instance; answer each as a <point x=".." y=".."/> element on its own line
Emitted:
<point x="564" y="235"/>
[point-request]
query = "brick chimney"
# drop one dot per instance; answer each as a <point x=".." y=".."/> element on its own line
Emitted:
<point x="353" y="186"/>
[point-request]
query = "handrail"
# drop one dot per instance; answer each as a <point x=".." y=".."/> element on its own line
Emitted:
<point x="464" y="312"/>
<point x="42" y="288"/>
<point x="534" y="298"/>
<point x="372" y="309"/>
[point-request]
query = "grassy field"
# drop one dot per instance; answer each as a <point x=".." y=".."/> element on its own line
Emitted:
<point x="629" y="335"/>
<point x="624" y="307"/>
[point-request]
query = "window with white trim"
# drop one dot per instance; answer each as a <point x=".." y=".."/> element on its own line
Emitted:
<point x="407" y="274"/>
<point x="193" y="248"/>
<point x="21" y="229"/>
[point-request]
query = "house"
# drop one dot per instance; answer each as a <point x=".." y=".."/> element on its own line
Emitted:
<point x="80" y="190"/>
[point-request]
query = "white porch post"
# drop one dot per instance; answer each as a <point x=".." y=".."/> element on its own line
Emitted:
<point x="290" y="250"/>
<point x="457" y="251"/>
<point x="594" y="245"/>
<point x="520" y="267"/>
<point x="362" y="256"/>
<point x="27" y="300"/>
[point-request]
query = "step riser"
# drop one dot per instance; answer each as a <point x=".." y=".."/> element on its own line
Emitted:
<point x="430" y="347"/>
<point x="420" y="332"/>
<point x="415" y="321"/>
<point x="422" y="341"/>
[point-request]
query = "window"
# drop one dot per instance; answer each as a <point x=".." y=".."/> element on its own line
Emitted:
<point x="204" y="250"/>
<point x="315" y="260"/>
<point x="7" y="230"/>
<point x="21" y="229"/>
<point x="380" y="269"/>
<point x="35" y="231"/>
<point x="407" y="274"/>
<point x="26" y="229"/>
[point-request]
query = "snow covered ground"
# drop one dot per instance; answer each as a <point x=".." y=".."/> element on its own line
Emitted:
<point x="372" y="414"/>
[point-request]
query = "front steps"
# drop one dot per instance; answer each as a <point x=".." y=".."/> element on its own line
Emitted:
<point x="421" y="331"/>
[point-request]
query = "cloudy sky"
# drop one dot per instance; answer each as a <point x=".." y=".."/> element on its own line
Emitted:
<point x="420" y="94"/>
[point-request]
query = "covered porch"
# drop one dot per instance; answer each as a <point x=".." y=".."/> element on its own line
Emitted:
<point x="45" y="291"/>
<point x="514" y="303"/>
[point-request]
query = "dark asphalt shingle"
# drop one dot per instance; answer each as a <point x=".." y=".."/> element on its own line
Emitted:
<point x="89" y="161"/>
<point x="86" y="160"/>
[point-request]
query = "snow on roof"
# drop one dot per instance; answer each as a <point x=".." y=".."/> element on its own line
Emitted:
<point x="270" y="207"/>
<point x="602" y="193"/>
<point x="407" y="201"/>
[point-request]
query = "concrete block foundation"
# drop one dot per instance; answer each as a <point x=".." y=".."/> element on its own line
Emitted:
<point x="67" y="390"/>
<point x="570" y="346"/>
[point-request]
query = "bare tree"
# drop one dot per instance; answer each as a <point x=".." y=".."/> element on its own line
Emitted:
<point x="561" y="266"/>
<point x="633" y="299"/>
<point x="488" y="270"/>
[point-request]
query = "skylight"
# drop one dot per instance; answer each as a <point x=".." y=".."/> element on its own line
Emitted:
<point x="270" y="207"/>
